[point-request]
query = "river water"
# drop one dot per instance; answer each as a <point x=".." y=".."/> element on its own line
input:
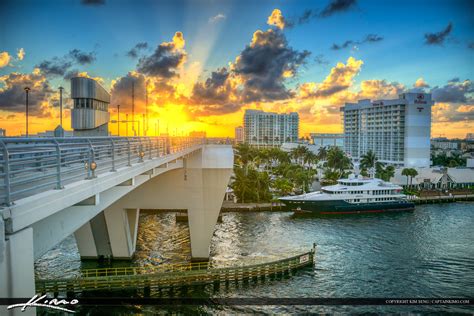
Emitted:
<point x="425" y="253"/>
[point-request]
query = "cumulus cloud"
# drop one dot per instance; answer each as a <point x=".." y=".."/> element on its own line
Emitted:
<point x="337" y="6"/>
<point x="55" y="66"/>
<point x="340" y="78"/>
<point x="217" y="18"/>
<point x="12" y="94"/>
<point x="59" y="66"/>
<point x="216" y="95"/>
<point x="276" y="19"/>
<point x="20" y="54"/>
<point x="420" y="83"/>
<point x="166" y="59"/>
<point x="439" y="37"/>
<point x="452" y="112"/>
<point x="370" y="38"/>
<point x="265" y="63"/>
<point x="133" y="53"/>
<point x="4" y="59"/>
<point x="82" y="58"/>
<point x="379" y="89"/>
<point x="454" y="92"/>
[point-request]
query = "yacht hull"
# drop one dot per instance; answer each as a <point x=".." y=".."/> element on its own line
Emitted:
<point x="343" y="207"/>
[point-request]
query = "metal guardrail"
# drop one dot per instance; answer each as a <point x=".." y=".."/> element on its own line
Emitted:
<point x="170" y="275"/>
<point x="32" y="165"/>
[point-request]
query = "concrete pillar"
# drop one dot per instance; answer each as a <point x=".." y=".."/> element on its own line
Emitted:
<point x="110" y="234"/>
<point x="122" y="226"/>
<point x="199" y="187"/>
<point x="17" y="277"/>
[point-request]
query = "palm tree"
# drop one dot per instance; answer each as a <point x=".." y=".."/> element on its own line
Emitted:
<point x="406" y="172"/>
<point x="368" y="160"/>
<point x="322" y="153"/>
<point x="338" y="160"/>
<point x="413" y="173"/>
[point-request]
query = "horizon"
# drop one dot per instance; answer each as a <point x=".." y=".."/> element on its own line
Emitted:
<point x="206" y="63"/>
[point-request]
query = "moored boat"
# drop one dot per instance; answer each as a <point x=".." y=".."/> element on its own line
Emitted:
<point x="355" y="195"/>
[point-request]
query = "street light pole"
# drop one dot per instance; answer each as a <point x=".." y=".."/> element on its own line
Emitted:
<point x="126" y="123"/>
<point x="61" y="107"/>
<point x="27" y="90"/>
<point x="118" y="120"/>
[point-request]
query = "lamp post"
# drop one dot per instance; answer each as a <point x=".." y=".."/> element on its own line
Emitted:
<point x="27" y="89"/>
<point x="118" y="119"/>
<point x="61" y="106"/>
<point x="126" y="124"/>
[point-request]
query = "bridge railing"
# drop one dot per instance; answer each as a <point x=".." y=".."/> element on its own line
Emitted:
<point x="32" y="165"/>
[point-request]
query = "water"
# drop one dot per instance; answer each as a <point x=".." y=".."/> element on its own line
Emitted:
<point x="426" y="253"/>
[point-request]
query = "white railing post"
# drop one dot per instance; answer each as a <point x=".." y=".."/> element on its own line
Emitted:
<point x="6" y="170"/>
<point x="58" y="166"/>
<point x="113" y="155"/>
<point x="129" y="153"/>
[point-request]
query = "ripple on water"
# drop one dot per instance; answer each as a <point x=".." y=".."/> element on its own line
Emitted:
<point x="417" y="254"/>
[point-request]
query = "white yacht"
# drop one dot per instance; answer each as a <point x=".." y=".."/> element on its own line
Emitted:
<point x="352" y="196"/>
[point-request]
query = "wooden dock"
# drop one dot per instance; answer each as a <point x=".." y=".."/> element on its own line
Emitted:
<point x="170" y="276"/>
<point x="442" y="199"/>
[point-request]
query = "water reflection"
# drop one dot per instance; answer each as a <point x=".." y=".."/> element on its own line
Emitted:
<point x="426" y="253"/>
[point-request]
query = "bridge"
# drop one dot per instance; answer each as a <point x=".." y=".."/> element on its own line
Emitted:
<point x="94" y="188"/>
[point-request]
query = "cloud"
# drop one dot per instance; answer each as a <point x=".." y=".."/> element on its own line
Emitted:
<point x="81" y="58"/>
<point x="133" y="53"/>
<point x="379" y="89"/>
<point x="340" y="78"/>
<point x="20" y="54"/>
<point x="370" y="38"/>
<point x="55" y="67"/>
<point x="319" y="59"/>
<point x="470" y="45"/>
<point x="454" y="92"/>
<point x="166" y="59"/>
<point x="93" y="2"/>
<point x="217" y="18"/>
<point x="59" y="66"/>
<point x="217" y="95"/>
<point x="337" y="6"/>
<point x="439" y="37"/>
<point x="421" y="83"/>
<point x="452" y="112"/>
<point x="12" y="94"/>
<point x="277" y="19"/>
<point x="85" y="74"/>
<point x="4" y="59"/>
<point x="265" y="63"/>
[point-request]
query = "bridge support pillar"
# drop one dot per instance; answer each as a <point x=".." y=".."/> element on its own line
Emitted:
<point x="17" y="268"/>
<point x="111" y="234"/>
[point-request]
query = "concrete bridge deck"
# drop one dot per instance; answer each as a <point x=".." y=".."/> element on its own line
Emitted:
<point x="94" y="188"/>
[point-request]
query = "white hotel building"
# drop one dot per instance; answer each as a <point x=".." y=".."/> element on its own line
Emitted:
<point x="397" y="131"/>
<point x="270" y="129"/>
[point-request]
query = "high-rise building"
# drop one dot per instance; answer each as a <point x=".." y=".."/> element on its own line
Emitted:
<point x="327" y="140"/>
<point x="239" y="135"/>
<point x="270" y="129"/>
<point x="90" y="115"/>
<point x="397" y="131"/>
<point x="470" y="136"/>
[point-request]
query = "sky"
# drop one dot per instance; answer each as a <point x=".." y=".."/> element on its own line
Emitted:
<point x="204" y="62"/>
